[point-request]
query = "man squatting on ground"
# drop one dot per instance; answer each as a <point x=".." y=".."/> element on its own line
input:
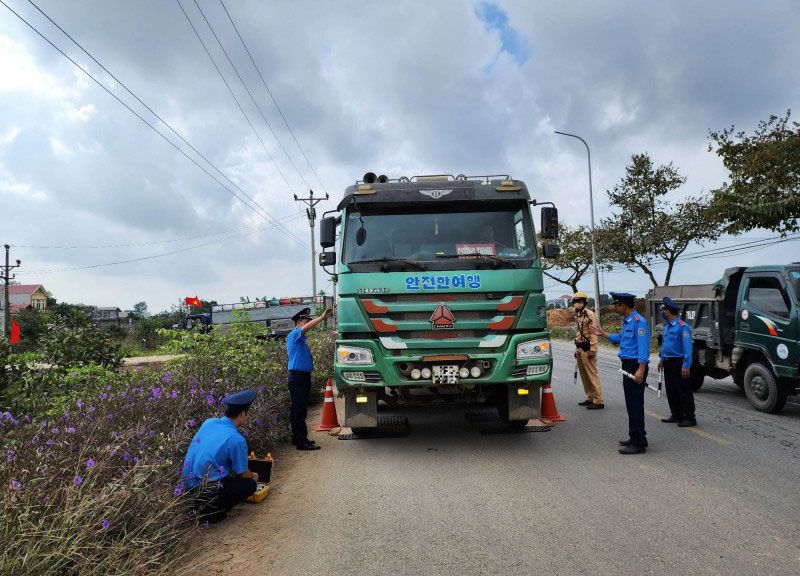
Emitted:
<point x="676" y="360"/>
<point x="215" y="467"/>
<point x="301" y="364"/>
<point x="634" y="352"/>
<point x="586" y="352"/>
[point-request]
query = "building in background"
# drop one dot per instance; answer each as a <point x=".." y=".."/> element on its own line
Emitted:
<point x="22" y="296"/>
<point x="105" y="316"/>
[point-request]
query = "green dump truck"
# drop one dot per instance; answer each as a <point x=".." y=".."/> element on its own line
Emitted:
<point x="439" y="294"/>
<point x="746" y="325"/>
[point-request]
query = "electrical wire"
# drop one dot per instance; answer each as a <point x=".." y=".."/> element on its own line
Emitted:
<point x="274" y="101"/>
<point x="143" y="258"/>
<point x="266" y="216"/>
<point x="233" y="94"/>
<point x="290" y="217"/>
<point x="252" y="99"/>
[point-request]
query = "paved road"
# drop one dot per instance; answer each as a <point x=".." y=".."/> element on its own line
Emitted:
<point x="718" y="499"/>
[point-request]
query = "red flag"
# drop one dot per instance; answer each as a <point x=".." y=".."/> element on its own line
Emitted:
<point x="14" y="339"/>
<point x="193" y="301"/>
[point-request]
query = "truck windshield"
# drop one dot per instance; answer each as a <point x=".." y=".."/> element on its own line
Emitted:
<point x="455" y="237"/>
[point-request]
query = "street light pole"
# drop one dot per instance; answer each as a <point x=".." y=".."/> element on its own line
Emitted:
<point x="591" y="212"/>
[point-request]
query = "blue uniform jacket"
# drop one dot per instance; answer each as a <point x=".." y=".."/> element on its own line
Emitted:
<point x="633" y="339"/>
<point x="677" y="341"/>
<point x="217" y="449"/>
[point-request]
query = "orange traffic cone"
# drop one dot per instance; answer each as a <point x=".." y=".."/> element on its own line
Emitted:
<point x="549" y="410"/>
<point x="329" y="418"/>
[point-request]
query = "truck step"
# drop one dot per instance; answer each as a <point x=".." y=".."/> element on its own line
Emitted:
<point x="489" y="423"/>
<point x="388" y="427"/>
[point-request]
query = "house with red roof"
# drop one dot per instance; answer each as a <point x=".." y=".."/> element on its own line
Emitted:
<point x="22" y="296"/>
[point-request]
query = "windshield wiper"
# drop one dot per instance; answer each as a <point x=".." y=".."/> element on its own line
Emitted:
<point x="386" y="260"/>
<point x="477" y="255"/>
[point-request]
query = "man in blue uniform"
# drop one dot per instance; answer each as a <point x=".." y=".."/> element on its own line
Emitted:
<point x="215" y="467"/>
<point x="634" y="351"/>
<point x="675" y="361"/>
<point x="301" y="364"/>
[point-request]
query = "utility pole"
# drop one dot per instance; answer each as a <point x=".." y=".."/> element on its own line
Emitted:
<point x="311" y="212"/>
<point x="6" y="277"/>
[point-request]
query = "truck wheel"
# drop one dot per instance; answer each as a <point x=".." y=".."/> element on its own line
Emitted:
<point x="763" y="391"/>
<point x="696" y="377"/>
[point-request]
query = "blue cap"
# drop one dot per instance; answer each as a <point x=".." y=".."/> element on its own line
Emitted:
<point x="671" y="304"/>
<point x="243" y="398"/>
<point x="623" y="297"/>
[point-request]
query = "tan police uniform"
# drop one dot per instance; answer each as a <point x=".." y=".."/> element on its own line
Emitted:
<point x="587" y="366"/>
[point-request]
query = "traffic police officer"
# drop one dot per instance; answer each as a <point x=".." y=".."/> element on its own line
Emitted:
<point x="301" y="364"/>
<point x="634" y="351"/>
<point x="215" y="467"/>
<point x="675" y="361"/>
<point x="586" y="352"/>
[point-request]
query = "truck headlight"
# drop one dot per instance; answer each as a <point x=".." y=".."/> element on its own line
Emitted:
<point x="533" y="349"/>
<point x="353" y="355"/>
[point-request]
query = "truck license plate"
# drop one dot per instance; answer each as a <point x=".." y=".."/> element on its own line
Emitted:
<point x="445" y="374"/>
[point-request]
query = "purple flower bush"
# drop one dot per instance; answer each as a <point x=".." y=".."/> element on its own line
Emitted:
<point x="85" y="492"/>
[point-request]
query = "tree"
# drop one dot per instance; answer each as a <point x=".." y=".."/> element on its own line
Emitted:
<point x="575" y="258"/>
<point x="764" y="172"/>
<point x="139" y="311"/>
<point x="648" y="229"/>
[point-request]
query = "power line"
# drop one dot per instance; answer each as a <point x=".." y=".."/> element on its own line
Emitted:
<point x="233" y="94"/>
<point x="143" y="258"/>
<point x="140" y="117"/>
<point x="274" y="101"/>
<point x="287" y="218"/>
<point x="252" y="99"/>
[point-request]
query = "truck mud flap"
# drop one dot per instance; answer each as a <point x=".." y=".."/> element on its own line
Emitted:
<point x="361" y="408"/>
<point x="489" y="422"/>
<point x="523" y="401"/>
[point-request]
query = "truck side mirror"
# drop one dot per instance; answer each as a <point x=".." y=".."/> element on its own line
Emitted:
<point x="549" y="227"/>
<point x="327" y="232"/>
<point x="327" y="258"/>
<point x="550" y="251"/>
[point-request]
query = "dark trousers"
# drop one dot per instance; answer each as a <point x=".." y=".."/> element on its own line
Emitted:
<point x="634" y="403"/>
<point x="679" y="393"/>
<point x="214" y="500"/>
<point x="299" y="390"/>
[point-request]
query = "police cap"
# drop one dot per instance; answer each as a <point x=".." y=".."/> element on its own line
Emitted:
<point x="304" y="313"/>
<point x="623" y="298"/>
<point x="243" y="398"/>
<point x="671" y="304"/>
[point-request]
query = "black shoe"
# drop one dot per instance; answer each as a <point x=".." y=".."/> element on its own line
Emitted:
<point x="686" y="423"/>
<point x="628" y="443"/>
<point x="631" y="449"/>
<point x="307" y="446"/>
<point x="595" y="406"/>
<point x="671" y="420"/>
<point x="585" y="403"/>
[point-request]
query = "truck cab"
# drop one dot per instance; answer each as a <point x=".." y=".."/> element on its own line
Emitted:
<point x="746" y="325"/>
<point x="440" y="295"/>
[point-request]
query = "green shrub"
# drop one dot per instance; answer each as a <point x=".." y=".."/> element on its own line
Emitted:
<point x="76" y="341"/>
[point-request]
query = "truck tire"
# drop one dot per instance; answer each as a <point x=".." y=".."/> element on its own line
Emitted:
<point x="696" y="376"/>
<point x="763" y="390"/>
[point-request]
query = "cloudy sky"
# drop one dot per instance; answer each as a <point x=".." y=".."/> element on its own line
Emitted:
<point x="399" y="88"/>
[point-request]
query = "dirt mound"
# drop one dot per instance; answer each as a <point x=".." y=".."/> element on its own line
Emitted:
<point x="560" y="318"/>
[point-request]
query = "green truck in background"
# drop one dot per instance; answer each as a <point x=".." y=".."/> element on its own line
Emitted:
<point x="440" y="295"/>
<point x="746" y="325"/>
